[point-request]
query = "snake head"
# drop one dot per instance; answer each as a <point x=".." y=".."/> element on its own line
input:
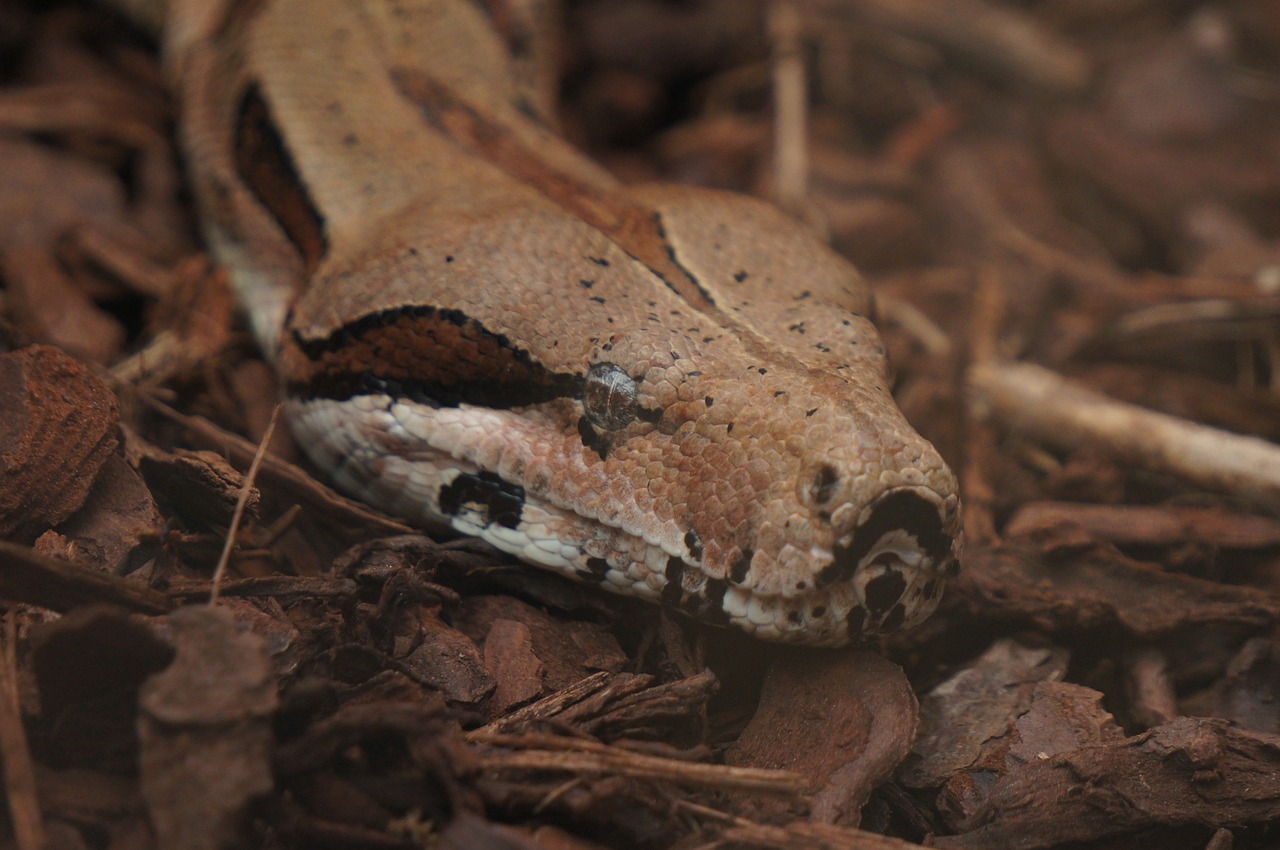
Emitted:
<point x="725" y="444"/>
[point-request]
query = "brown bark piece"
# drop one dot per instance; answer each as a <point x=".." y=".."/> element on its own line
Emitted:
<point x="119" y="526"/>
<point x="510" y="659"/>
<point x="205" y="724"/>
<point x="569" y="650"/>
<point x="43" y="192"/>
<point x="88" y="668"/>
<point x="1052" y="717"/>
<point x="49" y="306"/>
<point x="1249" y="693"/>
<point x="1190" y="772"/>
<point x="200" y="486"/>
<point x="975" y="705"/>
<point x="1091" y="588"/>
<point x="57" y="428"/>
<point x="448" y="661"/>
<point x="843" y="720"/>
<point x="1149" y="525"/>
<point x="29" y="577"/>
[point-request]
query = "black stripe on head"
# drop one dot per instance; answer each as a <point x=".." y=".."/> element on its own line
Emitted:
<point x="673" y="591"/>
<point x="597" y="569"/>
<point x="898" y="510"/>
<point x="712" y="598"/>
<point x="497" y="500"/>
<point x="428" y="354"/>
<point x="694" y="544"/>
<point x="267" y="169"/>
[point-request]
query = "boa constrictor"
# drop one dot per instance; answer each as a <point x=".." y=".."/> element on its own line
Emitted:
<point x="672" y="393"/>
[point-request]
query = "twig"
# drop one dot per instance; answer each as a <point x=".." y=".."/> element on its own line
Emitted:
<point x="790" y="149"/>
<point x="798" y="834"/>
<point x="913" y="321"/>
<point x="576" y="755"/>
<point x="1010" y="43"/>
<point x="27" y="576"/>
<point x="245" y="490"/>
<point x="285" y="477"/>
<point x="548" y="706"/>
<point x="19" y="772"/>
<point x="1050" y="408"/>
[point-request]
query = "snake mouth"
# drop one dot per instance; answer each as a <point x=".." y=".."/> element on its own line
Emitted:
<point x="896" y="560"/>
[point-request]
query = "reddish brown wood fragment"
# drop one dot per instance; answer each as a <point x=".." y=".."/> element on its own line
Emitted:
<point x="205" y="722"/>
<point x="119" y="526"/>
<point x="1085" y="588"/>
<point x="843" y="720"/>
<point x="57" y="428"/>
<point x="1149" y="525"/>
<point x="449" y="661"/>
<point x="1190" y="772"/>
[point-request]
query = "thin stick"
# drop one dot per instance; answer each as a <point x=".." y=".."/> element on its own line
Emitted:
<point x="1048" y="407"/>
<point x="19" y="772"/>
<point x="249" y="478"/>
<point x="790" y="152"/>
<point x="582" y="756"/>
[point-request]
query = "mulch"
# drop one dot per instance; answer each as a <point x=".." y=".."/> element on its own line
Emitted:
<point x="1070" y="212"/>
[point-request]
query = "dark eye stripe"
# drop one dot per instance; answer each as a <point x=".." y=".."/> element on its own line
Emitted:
<point x="267" y="168"/>
<point x="454" y="359"/>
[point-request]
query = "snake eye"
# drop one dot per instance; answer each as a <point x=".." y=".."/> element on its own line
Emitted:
<point x="609" y="397"/>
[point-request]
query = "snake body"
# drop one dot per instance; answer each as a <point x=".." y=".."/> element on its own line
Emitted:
<point x="672" y="393"/>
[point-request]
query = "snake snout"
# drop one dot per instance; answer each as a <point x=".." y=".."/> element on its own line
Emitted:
<point x="897" y="559"/>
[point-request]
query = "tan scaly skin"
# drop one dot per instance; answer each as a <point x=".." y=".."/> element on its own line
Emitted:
<point x="674" y="393"/>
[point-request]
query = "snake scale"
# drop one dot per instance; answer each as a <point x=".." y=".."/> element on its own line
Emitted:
<point x="672" y="393"/>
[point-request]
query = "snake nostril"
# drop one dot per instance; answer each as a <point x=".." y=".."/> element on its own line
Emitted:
<point x="884" y="591"/>
<point x="821" y="485"/>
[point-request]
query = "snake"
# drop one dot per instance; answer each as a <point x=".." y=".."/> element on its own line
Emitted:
<point x="672" y="393"/>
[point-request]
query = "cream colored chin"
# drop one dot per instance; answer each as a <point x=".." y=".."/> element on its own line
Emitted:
<point x="401" y="456"/>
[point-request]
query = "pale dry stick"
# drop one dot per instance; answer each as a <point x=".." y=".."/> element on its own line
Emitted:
<point x="19" y="772"/>
<point x="1152" y="699"/>
<point x="287" y="477"/>
<point x="790" y="149"/>
<point x="548" y="706"/>
<point x="1035" y="401"/>
<point x="249" y="478"/>
<point x="979" y="494"/>
<point x="577" y="755"/>
<point x="913" y="321"/>
<point x="800" y="835"/>
<point x="1093" y="273"/>
<point x="1009" y="42"/>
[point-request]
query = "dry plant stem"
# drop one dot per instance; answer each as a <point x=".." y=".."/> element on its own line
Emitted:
<point x="19" y="772"/>
<point x="577" y="755"/>
<point x="979" y="493"/>
<point x="1008" y="42"/>
<point x="1162" y="525"/>
<point x="798" y="835"/>
<point x="284" y="476"/>
<point x="1037" y="402"/>
<point x="915" y="323"/>
<point x="1221" y="840"/>
<point x="249" y="478"/>
<point x="548" y="706"/>
<point x="27" y="576"/>
<point x="790" y="154"/>
<point x="1151" y="692"/>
